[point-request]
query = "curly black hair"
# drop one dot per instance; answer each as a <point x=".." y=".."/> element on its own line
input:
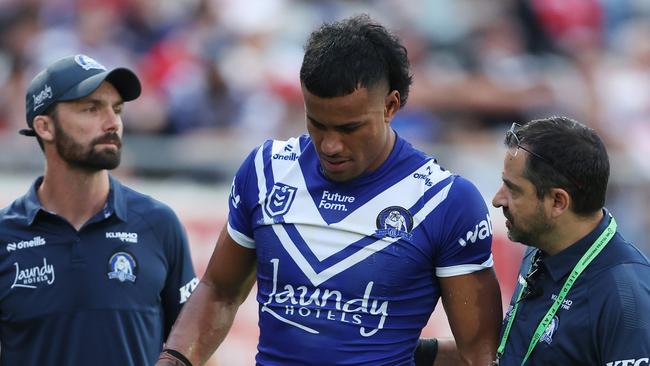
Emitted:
<point x="354" y="53"/>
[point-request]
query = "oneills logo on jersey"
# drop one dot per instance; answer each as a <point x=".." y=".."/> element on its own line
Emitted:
<point x="122" y="267"/>
<point x="280" y="199"/>
<point x="394" y="222"/>
<point x="24" y="244"/>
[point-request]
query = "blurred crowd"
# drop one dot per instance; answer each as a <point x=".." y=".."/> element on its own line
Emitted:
<point x="230" y="67"/>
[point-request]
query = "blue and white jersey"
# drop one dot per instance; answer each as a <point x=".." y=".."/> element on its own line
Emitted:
<point x="348" y="272"/>
<point x="602" y="321"/>
<point x="106" y="294"/>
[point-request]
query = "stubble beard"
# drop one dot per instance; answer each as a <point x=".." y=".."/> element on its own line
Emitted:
<point x="537" y="228"/>
<point x="88" y="157"/>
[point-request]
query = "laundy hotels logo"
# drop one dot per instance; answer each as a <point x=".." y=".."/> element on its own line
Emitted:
<point x="32" y="277"/>
<point x="295" y="304"/>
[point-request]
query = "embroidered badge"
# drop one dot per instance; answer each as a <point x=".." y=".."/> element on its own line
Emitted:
<point x="122" y="267"/>
<point x="394" y="222"/>
<point x="280" y="199"/>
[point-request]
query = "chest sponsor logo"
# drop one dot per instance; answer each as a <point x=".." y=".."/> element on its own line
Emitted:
<point x="480" y="231"/>
<point x="187" y="289"/>
<point x="630" y="362"/>
<point x="35" y="242"/>
<point x="279" y="201"/>
<point x="294" y="305"/>
<point x="547" y="336"/>
<point x="394" y="222"/>
<point x="566" y="303"/>
<point x="122" y="267"/>
<point x="234" y="197"/>
<point x="123" y="236"/>
<point x="335" y="201"/>
<point x="32" y="277"/>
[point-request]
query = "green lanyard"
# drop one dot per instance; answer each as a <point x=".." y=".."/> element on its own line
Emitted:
<point x="593" y="251"/>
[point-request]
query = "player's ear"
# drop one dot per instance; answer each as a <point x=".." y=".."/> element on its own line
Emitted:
<point x="560" y="201"/>
<point x="391" y="105"/>
<point x="44" y="127"/>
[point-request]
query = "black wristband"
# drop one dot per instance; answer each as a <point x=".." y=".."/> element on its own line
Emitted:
<point x="178" y="356"/>
<point x="426" y="351"/>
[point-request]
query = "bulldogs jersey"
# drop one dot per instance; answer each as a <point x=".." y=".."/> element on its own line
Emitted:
<point x="347" y="272"/>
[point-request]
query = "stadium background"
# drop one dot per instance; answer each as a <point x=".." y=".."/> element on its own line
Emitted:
<point x="220" y="76"/>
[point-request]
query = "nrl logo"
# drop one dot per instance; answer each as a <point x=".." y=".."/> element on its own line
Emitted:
<point x="280" y="199"/>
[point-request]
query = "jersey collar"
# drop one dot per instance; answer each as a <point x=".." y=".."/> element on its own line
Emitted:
<point x="116" y="202"/>
<point x="560" y="264"/>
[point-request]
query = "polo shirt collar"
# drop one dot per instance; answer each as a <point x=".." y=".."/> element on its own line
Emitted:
<point x="560" y="264"/>
<point x="32" y="203"/>
<point x="116" y="198"/>
<point x="116" y="201"/>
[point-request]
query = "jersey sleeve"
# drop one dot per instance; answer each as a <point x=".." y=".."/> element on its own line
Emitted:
<point x="242" y="199"/>
<point x="621" y="313"/>
<point x="181" y="278"/>
<point x="465" y="240"/>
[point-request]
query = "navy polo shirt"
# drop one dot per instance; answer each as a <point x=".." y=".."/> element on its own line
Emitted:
<point x="107" y="294"/>
<point x="603" y="320"/>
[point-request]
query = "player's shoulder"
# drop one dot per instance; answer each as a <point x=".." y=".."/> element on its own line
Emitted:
<point x="621" y="278"/>
<point x="284" y="150"/>
<point x="14" y="212"/>
<point x="141" y="204"/>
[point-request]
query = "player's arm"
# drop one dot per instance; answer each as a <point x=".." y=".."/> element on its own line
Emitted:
<point x="473" y="306"/>
<point x="209" y="313"/>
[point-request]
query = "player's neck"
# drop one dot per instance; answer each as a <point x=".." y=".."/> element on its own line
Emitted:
<point x="570" y="231"/>
<point x="74" y="194"/>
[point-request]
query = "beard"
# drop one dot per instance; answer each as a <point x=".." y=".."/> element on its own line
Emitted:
<point x="88" y="157"/>
<point x="535" y="227"/>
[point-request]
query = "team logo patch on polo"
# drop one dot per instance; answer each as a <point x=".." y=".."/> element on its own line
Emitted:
<point x="122" y="267"/>
<point x="280" y="199"/>
<point x="547" y="336"/>
<point x="394" y="222"/>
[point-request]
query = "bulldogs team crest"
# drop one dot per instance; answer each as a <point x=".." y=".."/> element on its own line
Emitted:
<point x="122" y="267"/>
<point x="394" y="222"/>
<point x="280" y="199"/>
<point x="547" y="336"/>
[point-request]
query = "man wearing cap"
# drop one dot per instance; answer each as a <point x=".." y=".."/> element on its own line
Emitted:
<point x="91" y="272"/>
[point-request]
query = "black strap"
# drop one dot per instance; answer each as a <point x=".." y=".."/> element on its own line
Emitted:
<point x="178" y="355"/>
<point x="426" y="351"/>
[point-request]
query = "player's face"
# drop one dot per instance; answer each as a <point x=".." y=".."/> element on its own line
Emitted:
<point x="88" y="131"/>
<point x="351" y="133"/>
<point x="526" y="217"/>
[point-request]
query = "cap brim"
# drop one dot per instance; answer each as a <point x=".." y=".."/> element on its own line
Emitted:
<point x="124" y="80"/>
<point x="27" y="132"/>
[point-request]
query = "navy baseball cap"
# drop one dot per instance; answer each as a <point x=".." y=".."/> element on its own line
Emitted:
<point x="71" y="78"/>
